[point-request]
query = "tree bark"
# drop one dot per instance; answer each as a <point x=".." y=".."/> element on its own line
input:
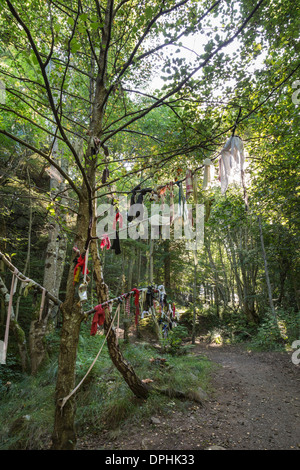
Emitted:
<point x="167" y="265"/>
<point x="64" y="434"/>
<point x="266" y="269"/>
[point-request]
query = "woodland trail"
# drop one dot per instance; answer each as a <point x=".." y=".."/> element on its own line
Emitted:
<point x="254" y="405"/>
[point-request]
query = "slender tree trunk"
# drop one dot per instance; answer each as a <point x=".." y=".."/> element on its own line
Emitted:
<point x="53" y="271"/>
<point x="266" y="269"/>
<point x="129" y="287"/>
<point x="16" y="328"/>
<point x="139" y="258"/>
<point x="64" y="435"/>
<point x="194" y="298"/>
<point x="167" y="265"/>
<point x="26" y="266"/>
<point x="151" y="262"/>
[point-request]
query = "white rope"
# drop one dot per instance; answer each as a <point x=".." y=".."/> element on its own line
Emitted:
<point x="86" y="263"/>
<point x="118" y="323"/>
<point x="3" y="348"/>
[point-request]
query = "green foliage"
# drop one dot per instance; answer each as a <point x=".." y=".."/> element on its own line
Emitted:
<point x="276" y="334"/>
<point x="173" y="343"/>
<point x="104" y="401"/>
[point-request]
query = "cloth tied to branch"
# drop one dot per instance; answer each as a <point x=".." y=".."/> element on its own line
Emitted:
<point x="80" y="264"/>
<point x="189" y="183"/>
<point x="127" y="307"/>
<point x="207" y="178"/>
<point x="98" y="319"/>
<point x="105" y="242"/>
<point x="136" y="303"/>
<point x="119" y="219"/>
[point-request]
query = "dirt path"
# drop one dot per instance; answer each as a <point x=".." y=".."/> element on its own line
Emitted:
<point x="255" y="405"/>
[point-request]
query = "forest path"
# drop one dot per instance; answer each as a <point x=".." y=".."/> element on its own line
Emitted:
<point x="254" y="405"/>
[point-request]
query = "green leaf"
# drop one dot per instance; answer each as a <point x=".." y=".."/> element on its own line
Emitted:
<point x="75" y="46"/>
<point x="83" y="16"/>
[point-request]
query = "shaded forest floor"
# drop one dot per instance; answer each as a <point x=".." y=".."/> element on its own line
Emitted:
<point x="254" y="405"/>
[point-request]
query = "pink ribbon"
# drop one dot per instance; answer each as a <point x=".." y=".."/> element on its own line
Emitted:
<point x="105" y="242"/>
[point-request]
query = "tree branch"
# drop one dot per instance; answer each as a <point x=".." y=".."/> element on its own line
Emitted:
<point x="49" y="92"/>
<point x="190" y="75"/>
<point x="44" y="155"/>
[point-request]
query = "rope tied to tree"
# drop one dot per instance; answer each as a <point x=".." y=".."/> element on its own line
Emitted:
<point x="65" y="399"/>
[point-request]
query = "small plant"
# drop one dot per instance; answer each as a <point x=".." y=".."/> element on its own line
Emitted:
<point x="275" y="334"/>
<point x="172" y="344"/>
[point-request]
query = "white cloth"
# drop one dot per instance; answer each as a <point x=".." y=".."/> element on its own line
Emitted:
<point x="231" y="161"/>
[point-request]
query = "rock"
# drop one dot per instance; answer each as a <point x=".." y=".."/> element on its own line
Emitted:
<point x="145" y="443"/>
<point x="215" y="448"/>
<point x="154" y="420"/>
<point x="202" y="394"/>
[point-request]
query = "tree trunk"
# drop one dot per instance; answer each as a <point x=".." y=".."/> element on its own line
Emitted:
<point x="26" y="266"/>
<point x="167" y="265"/>
<point x="64" y="435"/>
<point x="53" y="271"/>
<point x="266" y="269"/>
<point x="57" y="245"/>
<point x="151" y="262"/>
<point x="194" y="298"/>
<point x="129" y="287"/>
<point x="16" y="328"/>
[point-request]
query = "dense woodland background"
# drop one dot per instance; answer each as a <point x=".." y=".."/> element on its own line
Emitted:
<point x="241" y="78"/>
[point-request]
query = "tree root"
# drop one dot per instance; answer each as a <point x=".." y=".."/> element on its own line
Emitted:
<point x="190" y="395"/>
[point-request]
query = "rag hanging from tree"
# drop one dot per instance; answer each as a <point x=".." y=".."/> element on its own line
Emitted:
<point x="80" y="264"/>
<point x="98" y="319"/>
<point x="136" y="303"/>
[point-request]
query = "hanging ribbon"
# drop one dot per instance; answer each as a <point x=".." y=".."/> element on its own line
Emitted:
<point x="85" y="269"/>
<point x="127" y="307"/>
<point x="80" y="264"/>
<point x="118" y="323"/>
<point x="136" y="303"/>
<point x="105" y="242"/>
<point x="9" y="310"/>
<point x="98" y="319"/>
<point x="179" y="200"/>
<point x="171" y="204"/>
<point x="207" y="173"/>
<point x="119" y="219"/>
<point x="195" y="188"/>
<point x="189" y="183"/>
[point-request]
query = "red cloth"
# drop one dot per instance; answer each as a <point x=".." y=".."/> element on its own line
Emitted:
<point x="136" y="303"/>
<point x="98" y="319"/>
<point x="189" y="183"/>
<point x="173" y="310"/>
<point x="80" y="264"/>
<point x="105" y="242"/>
<point x="118" y="218"/>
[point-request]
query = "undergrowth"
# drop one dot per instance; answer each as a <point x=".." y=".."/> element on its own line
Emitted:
<point x="104" y="401"/>
<point x="269" y="334"/>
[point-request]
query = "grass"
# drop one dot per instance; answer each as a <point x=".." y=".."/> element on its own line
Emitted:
<point x="104" y="401"/>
